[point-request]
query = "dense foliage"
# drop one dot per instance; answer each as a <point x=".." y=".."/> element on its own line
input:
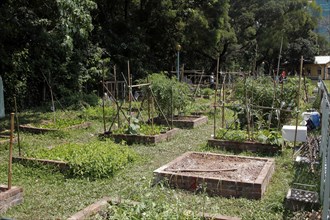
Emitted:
<point x="139" y="128"/>
<point x="64" y="47"/>
<point x="60" y="123"/>
<point x="99" y="159"/>
<point x="170" y="94"/>
<point x="260" y="92"/>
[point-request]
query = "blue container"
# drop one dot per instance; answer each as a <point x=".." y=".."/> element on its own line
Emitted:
<point x="315" y="117"/>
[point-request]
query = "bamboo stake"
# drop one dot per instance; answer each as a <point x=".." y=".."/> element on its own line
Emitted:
<point x="305" y="88"/>
<point x="215" y="98"/>
<point x="172" y="107"/>
<point x="103" y="101"/>
<point x="298" y="101"/>
<point x="10" y="171"/>
<point x="17" y="123"/>
<point x="52" y="98"/>
<point x="152" y="114"/>
<point x="129" y="93"/>
<point x="149" y="95"/>
<point x="247" y="110"/>
<point x="223" y="102"/>
<point x="116" y="91"/>
<point x="200" y="170"/>
<point x="276" y="78"/>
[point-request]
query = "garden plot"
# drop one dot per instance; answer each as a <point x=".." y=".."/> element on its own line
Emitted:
<point x="99" y="159"/>
<point x="218" y="175"/>
<point x="237" y="141"/>
<point x="50" y="126"/>
<point x="184" y="121"/>
<point x="10" y="197"/>
<point x="238" y="146"/>
<point x="145" y="138"/>
<point x="117" y="208"/>
<point x="4" y="139"/>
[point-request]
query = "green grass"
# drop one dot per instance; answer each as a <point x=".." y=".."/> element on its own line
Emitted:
<point x="327" y="84"/>
<point x="49" y="194"/>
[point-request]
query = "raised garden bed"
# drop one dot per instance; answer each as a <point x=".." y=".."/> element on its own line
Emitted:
<point x="10" y="197"/>
<point x="298" y="199"/>
<point x="99" y="206"/>
<point x="239" y="146"/>
<point x="218" y="175"/>
<point x="189" y="122"/>
<point x="37" y="130"/>
<point x="62" y="166"/>
<point x="143" y="139"/>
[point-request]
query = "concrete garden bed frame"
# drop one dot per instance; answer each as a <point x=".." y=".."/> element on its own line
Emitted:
<point x="102" y="204"/>
<point x="237" y="146"/>
<point x="188" y="122"/>
<point x="10" y="197"/>
<point x="144" y="139"/>
<point x="298" y="199"/>
<point x="36" y="130"/>
<point x="238" y="177"/>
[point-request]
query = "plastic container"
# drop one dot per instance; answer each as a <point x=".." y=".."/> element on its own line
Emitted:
<point x="288" y="133"/>
<point x="315" y="117"/>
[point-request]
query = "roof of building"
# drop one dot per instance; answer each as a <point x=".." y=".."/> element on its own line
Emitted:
<point x="322" y="59"/>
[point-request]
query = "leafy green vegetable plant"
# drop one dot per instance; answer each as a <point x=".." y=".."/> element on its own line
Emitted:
<point x="262" y="136"/>
<point x="60" y="123"/>
<point x="100" y="159"/>
<point x="139" y="128"/>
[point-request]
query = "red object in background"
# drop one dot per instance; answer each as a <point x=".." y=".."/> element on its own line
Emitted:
<point x="283" y="74"/>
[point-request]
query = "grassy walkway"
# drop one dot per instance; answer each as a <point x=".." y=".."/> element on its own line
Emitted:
<point x="49" y="195"/>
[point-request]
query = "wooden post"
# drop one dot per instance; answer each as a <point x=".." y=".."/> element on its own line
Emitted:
<point x="215" y="98"/>
<point x="10" y="171"/>
<point x="17" y="125"/>
<point x="298" y="101"/>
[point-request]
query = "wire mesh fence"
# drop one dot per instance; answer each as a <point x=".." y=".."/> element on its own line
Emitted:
<point x="325" y="151"/>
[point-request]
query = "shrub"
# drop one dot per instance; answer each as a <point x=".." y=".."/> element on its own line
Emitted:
<point x="96" y="112"/>
<point x="99" y="159"/>
<point x="207" y="91"/>
<point x="78" y="100"/>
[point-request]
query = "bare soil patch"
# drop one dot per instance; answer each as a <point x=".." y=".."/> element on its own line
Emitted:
<point x="233" y="168"/>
